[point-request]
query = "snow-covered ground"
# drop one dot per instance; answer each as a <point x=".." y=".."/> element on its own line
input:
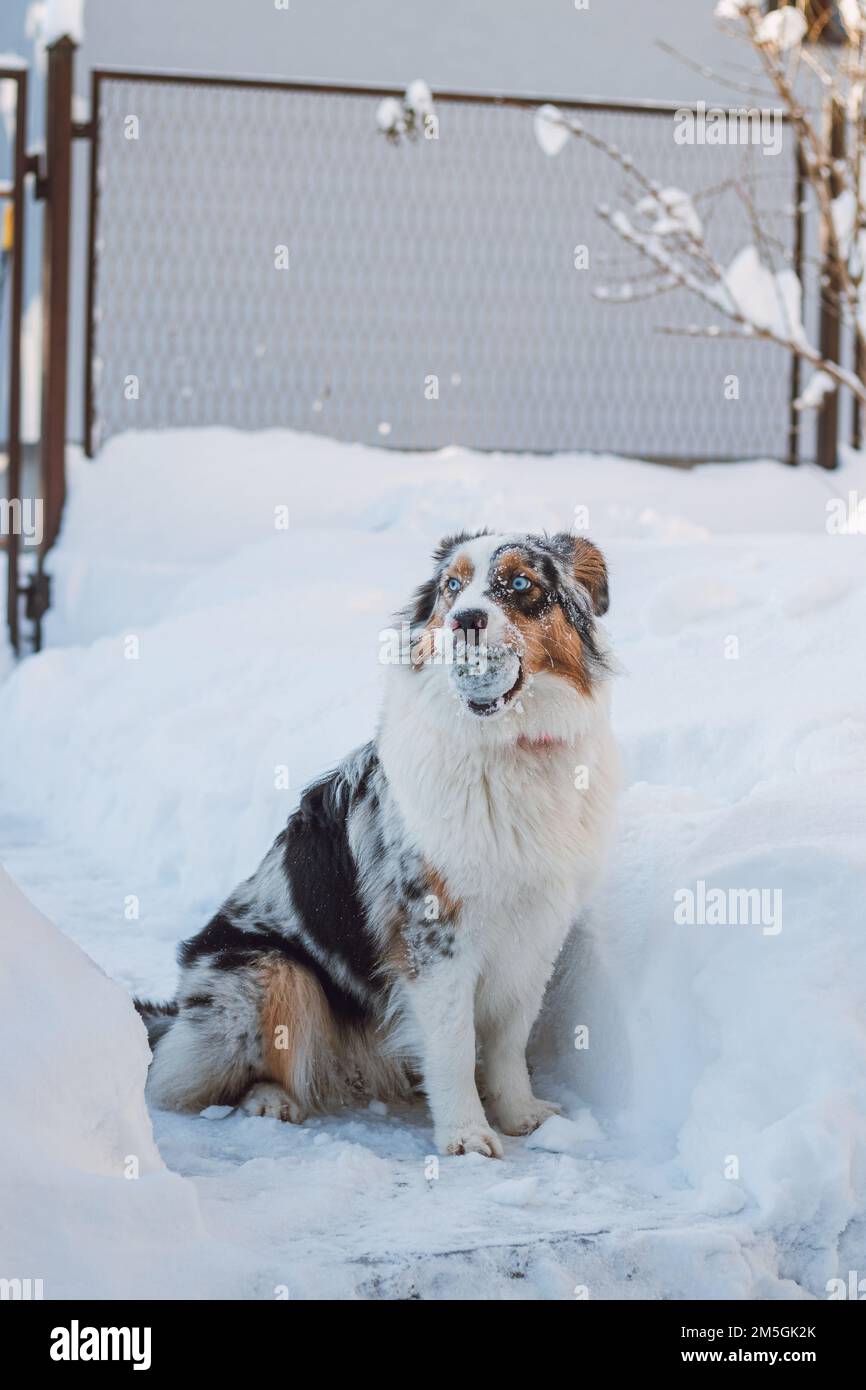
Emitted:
<point x="717" y="1136"/>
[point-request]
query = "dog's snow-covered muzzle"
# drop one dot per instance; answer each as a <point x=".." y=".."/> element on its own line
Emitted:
<point x="486" y="677"/>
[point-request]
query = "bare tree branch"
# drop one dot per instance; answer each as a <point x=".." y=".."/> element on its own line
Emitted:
<point x="663" y="226"/>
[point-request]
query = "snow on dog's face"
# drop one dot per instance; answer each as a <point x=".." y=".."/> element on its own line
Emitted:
<point x="501" y="612"/>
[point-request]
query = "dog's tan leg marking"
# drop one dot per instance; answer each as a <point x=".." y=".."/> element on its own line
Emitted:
<point x="296" y="1033"/>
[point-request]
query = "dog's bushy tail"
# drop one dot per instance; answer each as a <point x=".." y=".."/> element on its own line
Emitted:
<point x="157" y="1018"/>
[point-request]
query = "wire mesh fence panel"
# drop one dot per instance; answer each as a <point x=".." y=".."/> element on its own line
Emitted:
<point x="450" y="259"/>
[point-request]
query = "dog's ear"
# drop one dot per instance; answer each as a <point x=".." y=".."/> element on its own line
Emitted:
<point x="590" y="570"/>
<point x="588" y="567"/>
<point x="424" y="598"/>
<point x="423" y="601"/>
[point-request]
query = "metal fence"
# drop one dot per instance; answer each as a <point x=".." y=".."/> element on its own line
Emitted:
<point x="451" y="259"/>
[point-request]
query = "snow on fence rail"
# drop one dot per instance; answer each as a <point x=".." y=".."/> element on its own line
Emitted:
<point x="262" y="256"/>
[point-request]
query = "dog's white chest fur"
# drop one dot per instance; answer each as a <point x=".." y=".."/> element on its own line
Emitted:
<point x="511" y="817"/>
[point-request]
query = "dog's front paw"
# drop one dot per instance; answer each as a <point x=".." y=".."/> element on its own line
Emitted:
<point x="268" y="1099"/>
<point x="472" y="1139"/>
<point x="526" y="1118"/>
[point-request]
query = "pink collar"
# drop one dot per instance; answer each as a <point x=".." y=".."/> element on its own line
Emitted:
<point x="537" y="745"/>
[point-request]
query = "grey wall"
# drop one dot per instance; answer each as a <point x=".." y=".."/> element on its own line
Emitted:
<point x="513" y="45"/>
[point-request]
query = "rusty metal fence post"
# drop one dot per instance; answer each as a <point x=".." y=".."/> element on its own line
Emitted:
<point x="92" y="215"/>
<point x="859" y="363"/>
<point x="799" y="237"/>
<point x="856" y="425"/>
<point x="16" y="305"/>
<point x="830" y="333"/>
<point x="57" y="190"/>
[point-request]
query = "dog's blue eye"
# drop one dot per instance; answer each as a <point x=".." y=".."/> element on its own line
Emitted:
<point x="453" y="585"/>
<point x="521" y="583"/>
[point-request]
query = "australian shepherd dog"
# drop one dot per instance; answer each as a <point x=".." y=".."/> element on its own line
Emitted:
<point x="404" y="925"/>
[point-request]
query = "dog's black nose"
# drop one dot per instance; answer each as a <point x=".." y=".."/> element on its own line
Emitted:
<point x="469" y="620"/>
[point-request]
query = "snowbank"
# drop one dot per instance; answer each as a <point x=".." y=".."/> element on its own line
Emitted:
<point x="207" y="648"/>
<point x="162" y="507"/>
<point x="85" y="1194"/>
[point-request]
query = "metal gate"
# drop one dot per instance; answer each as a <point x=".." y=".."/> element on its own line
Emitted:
<point x="428" y="294"/>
